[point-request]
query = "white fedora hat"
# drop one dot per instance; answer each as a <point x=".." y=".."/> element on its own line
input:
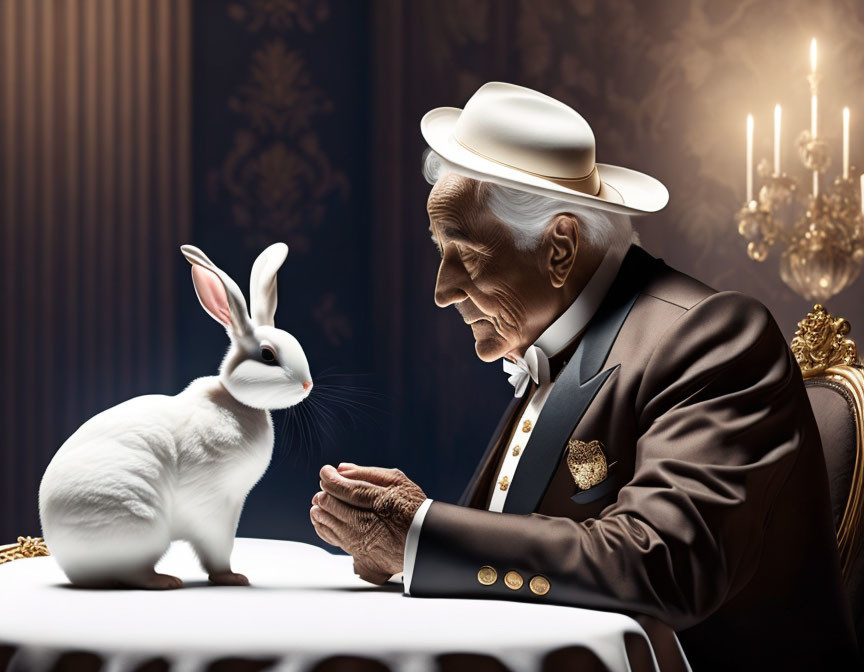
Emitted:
<point x="527" y="140"/>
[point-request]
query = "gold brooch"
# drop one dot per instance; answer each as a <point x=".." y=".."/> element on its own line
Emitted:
<point x="586" y="462"/>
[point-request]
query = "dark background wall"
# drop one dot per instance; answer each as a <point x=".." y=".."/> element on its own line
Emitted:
<point x="304" y="127"/>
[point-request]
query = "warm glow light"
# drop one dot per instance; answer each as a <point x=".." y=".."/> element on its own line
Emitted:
<point x="814" y="108"/>
<point x="777" y="117"/>
<point x="749" y="157"/>
<point x="845" y="143"/>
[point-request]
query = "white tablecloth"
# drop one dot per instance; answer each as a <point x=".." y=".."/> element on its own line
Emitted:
<point x="304" y="608"/>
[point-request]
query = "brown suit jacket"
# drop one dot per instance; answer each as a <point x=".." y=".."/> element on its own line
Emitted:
<point x="715" y="517"/>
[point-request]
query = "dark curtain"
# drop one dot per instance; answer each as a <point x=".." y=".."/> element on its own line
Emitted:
<point x="95" y="197"/>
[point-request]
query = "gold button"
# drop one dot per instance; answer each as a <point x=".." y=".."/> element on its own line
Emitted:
<point x="487" y="575"/>
<point x="526" y="426"/>
<point x="517" y="450"/>
<point x="504" y="483"/>
<point x="539" y="585"/>
<point x="513" y="580"/>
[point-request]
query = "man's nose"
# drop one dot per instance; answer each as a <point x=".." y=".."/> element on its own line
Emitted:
<point x="450" y="282"/>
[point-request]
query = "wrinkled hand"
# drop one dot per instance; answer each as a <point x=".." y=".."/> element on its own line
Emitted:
<point x="366" y="511"/>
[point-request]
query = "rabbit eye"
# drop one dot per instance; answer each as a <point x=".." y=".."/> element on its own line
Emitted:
<point x="268" y="355"/>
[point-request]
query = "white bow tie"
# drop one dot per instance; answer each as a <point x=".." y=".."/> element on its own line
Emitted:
<point x="534" y="366"/>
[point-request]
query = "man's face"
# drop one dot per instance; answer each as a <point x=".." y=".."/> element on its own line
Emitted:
<point x="505" y="294"/>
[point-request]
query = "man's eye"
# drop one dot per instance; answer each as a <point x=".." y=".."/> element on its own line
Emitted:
<point x="268" y="355"/>
<point x="473" y="260"/>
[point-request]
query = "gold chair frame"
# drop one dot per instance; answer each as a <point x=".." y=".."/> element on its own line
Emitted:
<point x="827" y="356"/>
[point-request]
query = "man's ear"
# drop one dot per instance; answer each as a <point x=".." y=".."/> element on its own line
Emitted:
<point x="562" y="243"/>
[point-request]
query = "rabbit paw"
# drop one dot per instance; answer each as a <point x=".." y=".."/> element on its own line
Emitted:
<point x="229" y="579"/>
<point x="156" y="581"/>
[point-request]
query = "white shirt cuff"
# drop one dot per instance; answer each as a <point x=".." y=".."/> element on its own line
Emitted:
<point x="411" y="542"/>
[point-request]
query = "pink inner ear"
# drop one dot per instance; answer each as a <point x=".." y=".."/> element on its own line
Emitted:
<point x="211" y="293"/>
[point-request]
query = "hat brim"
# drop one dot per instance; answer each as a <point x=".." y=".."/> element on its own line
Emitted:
<point x="622" y="190"/>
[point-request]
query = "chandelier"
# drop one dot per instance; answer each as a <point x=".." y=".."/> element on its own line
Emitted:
<point x="821" y="231"/>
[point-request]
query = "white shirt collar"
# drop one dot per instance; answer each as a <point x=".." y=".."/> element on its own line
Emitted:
<point x="572" y="321"/>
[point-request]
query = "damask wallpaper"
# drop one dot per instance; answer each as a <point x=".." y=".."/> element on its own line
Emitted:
<point x="303" y="125"/>
<point x="282" y="153"/>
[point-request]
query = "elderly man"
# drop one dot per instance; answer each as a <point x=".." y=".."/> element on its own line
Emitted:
<point x="660" y="456"/>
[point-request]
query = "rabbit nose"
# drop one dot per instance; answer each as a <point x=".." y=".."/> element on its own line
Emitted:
<point x="307" y="385"/>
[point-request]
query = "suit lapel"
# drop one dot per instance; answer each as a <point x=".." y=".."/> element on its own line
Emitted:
<point x="576" y="386"/>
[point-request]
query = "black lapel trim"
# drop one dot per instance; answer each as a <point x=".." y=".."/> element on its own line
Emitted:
<point x="577" y="386"/>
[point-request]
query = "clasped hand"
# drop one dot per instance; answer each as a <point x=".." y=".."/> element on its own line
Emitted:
<point x="366" y="511"/>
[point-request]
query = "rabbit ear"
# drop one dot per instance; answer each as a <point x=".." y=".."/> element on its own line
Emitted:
<point x="218" y="293"/>
<point x="262" y="284"/>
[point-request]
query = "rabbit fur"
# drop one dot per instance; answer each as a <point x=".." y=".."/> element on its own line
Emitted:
<point x="156" y="468"/>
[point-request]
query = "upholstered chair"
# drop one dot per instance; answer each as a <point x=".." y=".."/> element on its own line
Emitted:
<point x="834" y="378"/>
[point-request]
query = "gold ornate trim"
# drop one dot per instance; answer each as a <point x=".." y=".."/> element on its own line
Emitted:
<point x="820" y="342"/>
<point x="27" y="547"/>
<point x="849" y="532"/>
<point x="823" y="350"/>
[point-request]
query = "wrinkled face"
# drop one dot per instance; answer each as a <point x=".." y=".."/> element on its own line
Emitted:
<point x="503" y="293"/>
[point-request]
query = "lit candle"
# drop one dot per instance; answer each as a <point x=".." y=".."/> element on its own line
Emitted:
<point x="749" y="158"/>
<point x="862" y="194"/>
<point x="777" y="114"/>
<point x="813" y="56"/>
<point x="845" y="143"/>
<point x="814" y="104"/>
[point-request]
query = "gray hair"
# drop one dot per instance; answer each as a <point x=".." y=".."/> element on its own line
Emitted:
<point x="527" y="214"/>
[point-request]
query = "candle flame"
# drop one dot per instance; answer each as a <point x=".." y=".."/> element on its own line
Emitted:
<point x="846" y="115"/>
<point x="778" y="111"/>
<point x="750" y="125"/>
<point x="813" y="55"/>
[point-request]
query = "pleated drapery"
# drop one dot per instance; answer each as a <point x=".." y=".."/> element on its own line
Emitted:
<point x="95" y="98"/>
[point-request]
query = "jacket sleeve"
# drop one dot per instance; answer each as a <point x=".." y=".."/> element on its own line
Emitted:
<point x="721" y="413"/>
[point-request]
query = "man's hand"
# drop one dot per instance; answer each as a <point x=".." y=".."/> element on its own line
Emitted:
<point x="366" y="511"/>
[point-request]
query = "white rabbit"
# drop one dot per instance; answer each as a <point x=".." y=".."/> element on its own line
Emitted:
<point x="156" y="468"/>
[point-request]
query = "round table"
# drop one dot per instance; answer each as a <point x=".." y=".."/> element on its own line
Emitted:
<point x="305" y="610"/>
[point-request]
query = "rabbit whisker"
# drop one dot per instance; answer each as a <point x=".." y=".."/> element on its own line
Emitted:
<point x="349" y="409"/>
